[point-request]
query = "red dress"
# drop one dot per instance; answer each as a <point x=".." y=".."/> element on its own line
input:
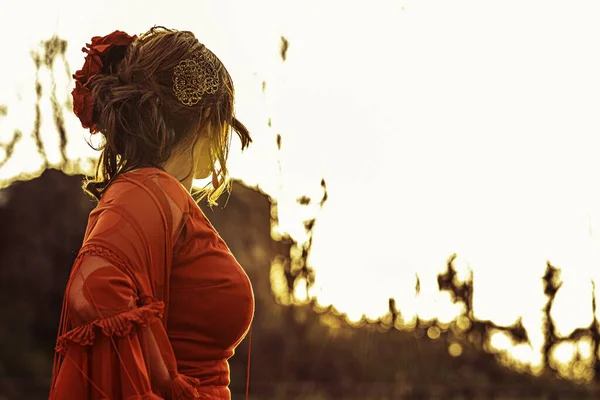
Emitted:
<point x="155" y="304"/>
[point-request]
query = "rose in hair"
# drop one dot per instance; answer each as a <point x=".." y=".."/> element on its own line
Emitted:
<point x="101" y="54"/>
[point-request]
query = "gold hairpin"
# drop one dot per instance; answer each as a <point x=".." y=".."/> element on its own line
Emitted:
<point x="195" y="77"/>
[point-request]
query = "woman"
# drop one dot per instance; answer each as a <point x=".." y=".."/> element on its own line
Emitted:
<point x="156" y="303"/>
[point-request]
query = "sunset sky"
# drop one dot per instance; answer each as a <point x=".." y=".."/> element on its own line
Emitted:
<point x="466" y="127"/>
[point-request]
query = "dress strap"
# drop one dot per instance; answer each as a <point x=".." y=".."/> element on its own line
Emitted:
<point x="248" y="367"/>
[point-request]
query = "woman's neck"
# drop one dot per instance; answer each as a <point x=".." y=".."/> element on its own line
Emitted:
<point x="182" y="171"/>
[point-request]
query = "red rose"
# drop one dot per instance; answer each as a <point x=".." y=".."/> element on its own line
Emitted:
<point x="91" y="67"/>
<point x="83" y="106"/>
<point x="117" y="38"/>
<point x="95" y="60"/>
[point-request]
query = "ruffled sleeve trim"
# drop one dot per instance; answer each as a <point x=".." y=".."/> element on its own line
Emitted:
<point x="117" y="325"/>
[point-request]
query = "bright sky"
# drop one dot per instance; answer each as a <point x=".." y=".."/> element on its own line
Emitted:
<point x="440" y="127"/>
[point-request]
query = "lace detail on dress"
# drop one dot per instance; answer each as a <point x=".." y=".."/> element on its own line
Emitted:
<point x="100" y="251"/>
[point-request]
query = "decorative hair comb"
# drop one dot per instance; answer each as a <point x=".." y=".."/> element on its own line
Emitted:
<point x="195" y="77"/>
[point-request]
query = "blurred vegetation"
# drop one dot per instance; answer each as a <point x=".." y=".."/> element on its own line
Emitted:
<point x="299" y="350"/>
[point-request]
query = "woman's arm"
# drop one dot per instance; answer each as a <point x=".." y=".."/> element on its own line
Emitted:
<point x="118" y="346"/>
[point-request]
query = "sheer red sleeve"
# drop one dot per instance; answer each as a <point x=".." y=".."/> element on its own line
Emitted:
<point x="112" y="342"/>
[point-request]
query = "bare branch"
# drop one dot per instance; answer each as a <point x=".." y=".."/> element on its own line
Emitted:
<point x="9" y="147"/>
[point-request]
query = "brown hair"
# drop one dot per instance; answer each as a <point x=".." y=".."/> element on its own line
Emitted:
<point x="141" y="119"/>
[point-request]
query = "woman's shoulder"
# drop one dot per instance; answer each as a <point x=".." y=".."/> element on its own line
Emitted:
<point x="146" y="194"/>
<point x="146" y="184"/>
